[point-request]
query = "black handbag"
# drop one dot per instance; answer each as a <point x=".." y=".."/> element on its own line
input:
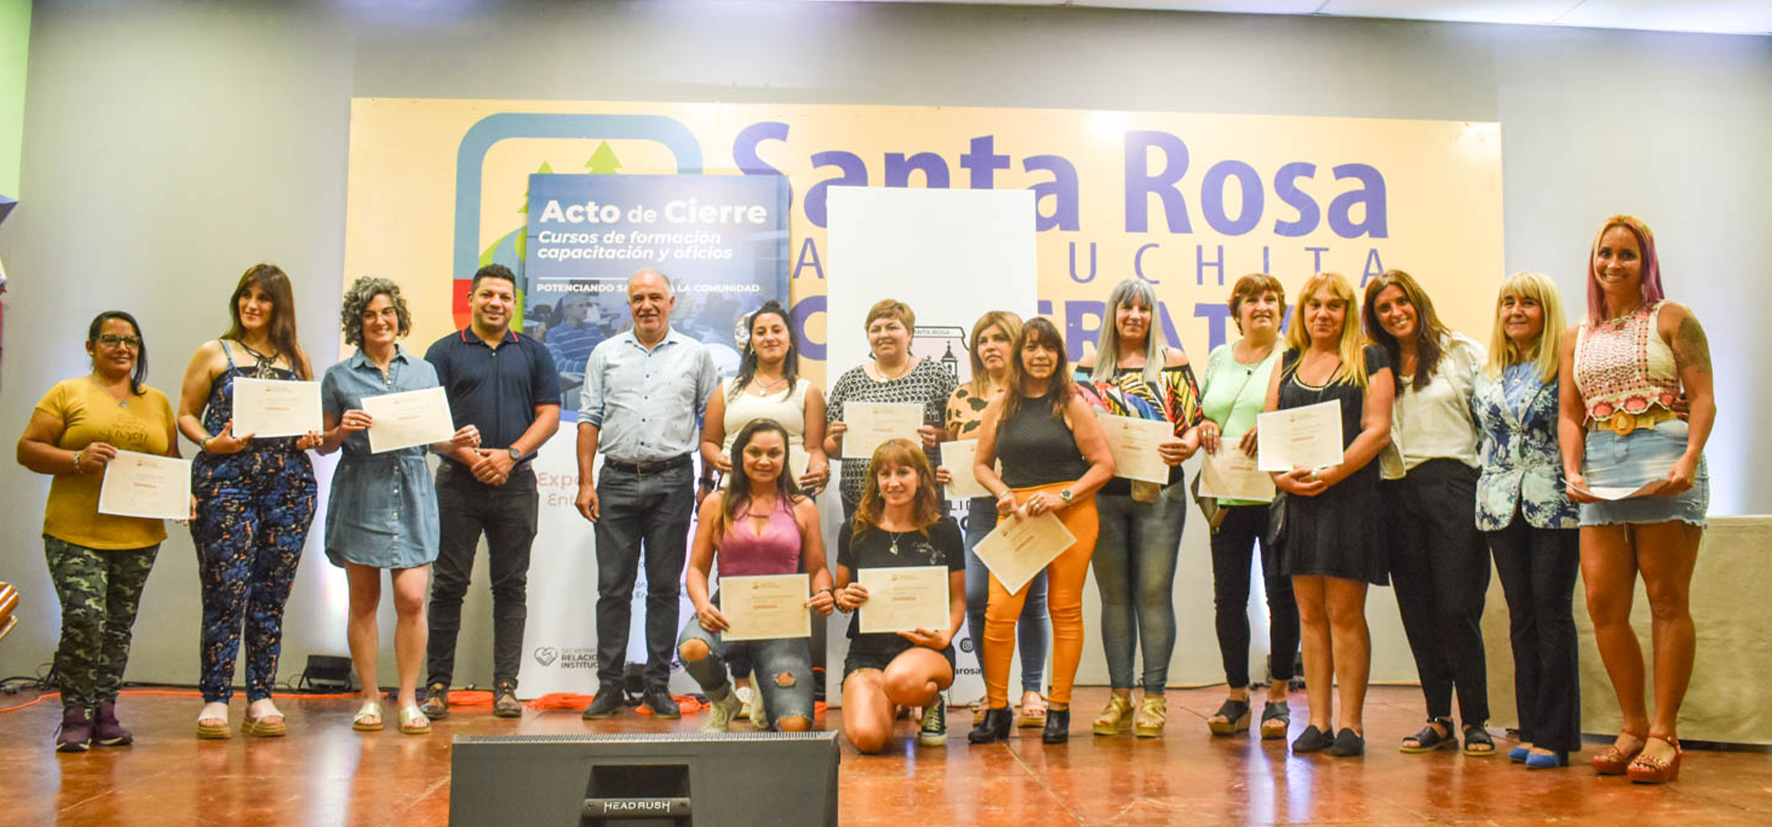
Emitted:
<point x="1276" y="521"/>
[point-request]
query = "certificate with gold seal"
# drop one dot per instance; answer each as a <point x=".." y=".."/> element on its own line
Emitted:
<point x="765" y="607"/>
<point x="145" y="485"/>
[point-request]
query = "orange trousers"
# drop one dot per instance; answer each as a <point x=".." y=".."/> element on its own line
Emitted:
<point x="1065" y="577"/>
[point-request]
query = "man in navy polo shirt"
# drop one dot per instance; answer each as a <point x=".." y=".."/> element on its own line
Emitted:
<point x="644" y="395"/>
<point x="505" y="385"/>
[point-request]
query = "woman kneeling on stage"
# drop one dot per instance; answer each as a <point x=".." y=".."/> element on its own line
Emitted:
<point x="762" y="525"/>
<point x="898" y="523"/>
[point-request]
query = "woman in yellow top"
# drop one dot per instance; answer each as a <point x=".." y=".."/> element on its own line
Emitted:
<point x="99" y="564"/>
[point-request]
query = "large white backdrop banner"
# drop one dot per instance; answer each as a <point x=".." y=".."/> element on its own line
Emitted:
<point x="952" y="255"/>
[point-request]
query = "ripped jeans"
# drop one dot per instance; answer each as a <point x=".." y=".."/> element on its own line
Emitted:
<point x="783" y="667"/>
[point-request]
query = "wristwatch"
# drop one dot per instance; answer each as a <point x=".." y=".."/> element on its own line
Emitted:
<point x="515" y="454"/>
<point x="1065" y="495"/>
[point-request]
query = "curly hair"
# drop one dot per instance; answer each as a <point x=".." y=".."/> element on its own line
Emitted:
<point x="357" y="299"/>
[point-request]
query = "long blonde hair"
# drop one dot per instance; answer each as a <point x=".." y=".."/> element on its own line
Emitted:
<point x="1352" y="347"/>
<point x="1544" y="353"/>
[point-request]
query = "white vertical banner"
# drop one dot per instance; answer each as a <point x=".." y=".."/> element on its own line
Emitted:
<point x="951" y="255"/>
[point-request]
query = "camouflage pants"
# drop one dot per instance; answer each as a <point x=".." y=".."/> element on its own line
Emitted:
<point x="100" y="592"/>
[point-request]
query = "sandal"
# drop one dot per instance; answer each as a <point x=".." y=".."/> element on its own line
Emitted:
<point x="1032" y="714"/>
<point x="1615" y="761"/>
<point x="264" y="726"/>
<point x="413" y="721"/>
<point x="1647" y="770"/>
<point x="213" y="732"/>
<point x="1429" y="738"/>
<point x="1276" y="719"/>
<point x="368" y="717"/>
<point x="1236" y="718"/>
<point x="1477" y="742"/>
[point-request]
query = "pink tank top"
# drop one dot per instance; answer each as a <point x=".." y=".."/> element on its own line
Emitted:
<point x="1624" y="365"/>
<point x="745" y="553"/>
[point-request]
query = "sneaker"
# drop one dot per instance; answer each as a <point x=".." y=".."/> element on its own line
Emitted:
<point x="609" y="701"/>
<point x="436" y="705"/>
<point x="1153" y="713"/>
<point x="934" y="730"/>
<point x="745" y="694"/>
<point x="1115" y="718"/>
<point x="659" y="700"/>
<point x="75" y="733"/>
<point x="759" y="714"/>
<point x="504" y="701"/>
<point x="106" y="732"/>
<point x="721" y="713"/>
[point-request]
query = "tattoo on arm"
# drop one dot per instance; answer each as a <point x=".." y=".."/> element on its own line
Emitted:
<point x="1691" y="348"/>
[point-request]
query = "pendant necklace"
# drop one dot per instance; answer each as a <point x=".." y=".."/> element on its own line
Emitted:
<point x="893" y="549"/>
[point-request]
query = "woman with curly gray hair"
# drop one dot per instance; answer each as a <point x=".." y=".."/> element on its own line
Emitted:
<point x="365" y="529"/>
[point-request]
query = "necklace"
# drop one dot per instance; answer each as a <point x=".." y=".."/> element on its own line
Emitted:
<point x="893" y="549"/>
<point x="763" y="387"/>
<point x="265" y="364"/>
<point x="899" y="375"/>
<point x="121" y="403"/>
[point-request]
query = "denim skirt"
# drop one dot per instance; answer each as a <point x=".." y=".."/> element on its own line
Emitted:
<point x="1634" y="460"/>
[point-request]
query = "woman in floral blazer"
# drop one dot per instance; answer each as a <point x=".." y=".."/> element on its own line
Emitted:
<point x="1529" y="521"/>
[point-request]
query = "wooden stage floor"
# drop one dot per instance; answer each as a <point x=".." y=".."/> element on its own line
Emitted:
<point x="325" y="774"/>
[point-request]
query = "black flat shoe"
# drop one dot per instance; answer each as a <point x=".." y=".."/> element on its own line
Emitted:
<point x="1058" y="727"/>
<point x="1312" y="740"/>
<point x="1347" y="744"/>
<point x="1477" y="742"/>
<point x="1430" y="738"/>
<point x="994" y="725"/>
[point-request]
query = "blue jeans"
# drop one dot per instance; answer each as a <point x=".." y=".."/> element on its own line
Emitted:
<point x="640" y="517"/>
<point x="773" y="659"/>
<point x="1134" y="562"/>
<point x="1030" y="629"/>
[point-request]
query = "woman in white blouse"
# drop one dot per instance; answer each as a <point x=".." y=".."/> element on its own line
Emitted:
<point x="1439" y="565"/>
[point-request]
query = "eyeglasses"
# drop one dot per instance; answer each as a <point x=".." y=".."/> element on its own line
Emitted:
<point x="113" y="340"/>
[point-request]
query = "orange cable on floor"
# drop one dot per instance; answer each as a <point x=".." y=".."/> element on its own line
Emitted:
<point x="190" y="693"/>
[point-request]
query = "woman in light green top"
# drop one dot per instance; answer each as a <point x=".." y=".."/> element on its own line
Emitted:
<point x="1233" y="391"/>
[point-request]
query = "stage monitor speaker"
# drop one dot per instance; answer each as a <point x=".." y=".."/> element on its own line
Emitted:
<point x="735" y="779"/>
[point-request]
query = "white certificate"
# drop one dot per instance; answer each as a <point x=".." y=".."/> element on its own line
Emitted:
<point x="1232" y="475"/>
<point x="144" y="485"/>
<point x="1613" y="493"/>
<point x="1308" y="437"/>
<point x="1133" y="442"/>
<point x="402" y="420"/>
<point x="904" y="599"/>
<point x="268" y="407"/>
<point x="766" y="607"/>
<point x="957" y="456"/>
<point x="871" y="423"/>
<point x="1019" y="548"/>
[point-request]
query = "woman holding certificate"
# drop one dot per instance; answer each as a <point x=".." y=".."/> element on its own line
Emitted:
<point x="993" y="340"/>
<point x="895" y="379"/>
<point x="382" y="512"/>
<point x="1135" y="375"/>
<point x="765" y="534"/>
<point x="1529" y="520"/>
<point x="768" y="386"/>
<point x="1054" y="460"/>
<point x="1639" y="473"/>
<point x="899" y="535"/>
<point x="1439" y="566"/>
<point x="98" y="563"/>
<point x="1233" y="392"/>
<point x="1326" y="521"/>
<point x="255" y="499"/>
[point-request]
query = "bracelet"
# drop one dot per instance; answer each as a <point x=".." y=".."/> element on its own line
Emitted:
<point x="203" y="444"/>
<point x="77" y="461"/>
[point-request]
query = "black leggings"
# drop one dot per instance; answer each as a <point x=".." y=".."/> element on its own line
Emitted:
<point x="1233" y="546"/>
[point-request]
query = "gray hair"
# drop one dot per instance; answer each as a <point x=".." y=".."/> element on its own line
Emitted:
<point x="1107" y="350"/>
<point x="670" y="289"/>
<point x="357" y="299"/>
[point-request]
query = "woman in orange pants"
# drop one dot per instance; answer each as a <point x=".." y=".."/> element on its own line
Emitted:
<point x="1054" y="459"/>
